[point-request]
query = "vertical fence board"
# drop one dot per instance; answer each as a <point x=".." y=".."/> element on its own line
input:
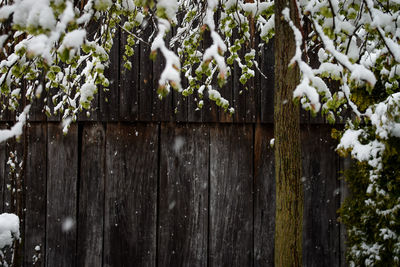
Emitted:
<point x="250" y="87"/>
<point x="35" y="201"/>
<point x="180" y="102"/>
<point x="3" y="160"/>
<point x="36" y="111"/>
<point x="50" y="104"/>
<point x="7" y="205"/>
<point x="147" y="90"/>
<point x="109" y="100"/>
<point x="231" y="198"/>
<point x="264" y="190"/>
<point x="183" y="195"/>
<point x="129" y="83"/>
<point x="94" y="112"/>
<point x="11" y="183"/>
<point x="239" y="94"/>
<point x="259" y="80"/>
<point x="162" y="109"/>
<point x="13" y="193"/>
<point x="194" y="114"/>
<point x="267" y="85"/>
<point x="62" y="174"/>
<point x="91" y="196"/>
<point x="250" y="92"/>
<point x="321" y="245"/>
<point x="131" y="195"/>
<point x="210" y="109"/>
<point x="226" y="92"/>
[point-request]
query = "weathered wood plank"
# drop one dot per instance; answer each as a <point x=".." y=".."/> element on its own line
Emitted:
<point x="195" y="114"/>
<point x="13" y="201"/>
<point x="129" y="81"/>
<point x="264" y="190"/>
<point x="239" y="93"/>
<point x="131" y="195"/>
<point x="92" y="114"/>
<point x="147" y="92"/>
<point x="91" y="196"/>
<point x="180" y="103"/>
<point x="267" y="86"/>
<point x="227" y="93"/>
<point x="14" y="193"/>
<point x="50" y="104"/>
<point x="231" y="196"/>
<point x="183" y="211"/>
<point x="3" y="160"/>
<point x="36" y="112"/>
<point x="129" y="90"/>
<point x="209" y="111"/>
<point x="321" y="242"/>
<point x="109" y="100"/>
<point x="35" y="200"/>
<point x="258" y="80"/>
<point x="251" y="92"/>
<point x="162" y="109"/>
<point x="62" y="175"/>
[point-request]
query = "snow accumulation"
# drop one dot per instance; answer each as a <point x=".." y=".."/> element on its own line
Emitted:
<point x="9" y="229"/>
<point x="16" y="130"/>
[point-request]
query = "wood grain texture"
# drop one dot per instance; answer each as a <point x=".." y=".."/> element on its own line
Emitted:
<point x="92" y="29"/>
<point x="239" y="94"/>
<point x="321" y="245"/>
<point x="147" y="92"/>
<point x="215" y="211"/>
<point x="209" y="111"/>
<point x="36" y="112"/>
<point x="3" y="160"/>
<point x="259" y="81"/>
<point x="131" y="195"/>
<point x="14" y="193"/>
<point x="267" y="86"/>
<point x="35" y="200"/>
<point x="91" y="196"/>
<point x="50" y="94"/>
<point x="231" y="196"/>
<point x="13" y="201"/>
<point x="62" y="178"/>
<point x="129" y="81"/>
<point x="194" y="114"/>
<point x="180" y="103"/>
<point x="252" y="95"/>
<point x="264" y="203"/>
<point x="227" y="93"/>
<point x="109" y="100"/>
<point x="251" y="101"/>
<point x="183" y="211"/>
<point x="162" y="109"/>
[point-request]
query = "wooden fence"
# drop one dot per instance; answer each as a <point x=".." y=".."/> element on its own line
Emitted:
<point x="145" y="182"/>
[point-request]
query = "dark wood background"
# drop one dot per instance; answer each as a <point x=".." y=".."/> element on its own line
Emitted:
<point x="157" y="183"/>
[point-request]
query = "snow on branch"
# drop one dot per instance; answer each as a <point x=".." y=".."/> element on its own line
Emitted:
<point x="17" y="129"/>
<point x="9" y="229"/>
